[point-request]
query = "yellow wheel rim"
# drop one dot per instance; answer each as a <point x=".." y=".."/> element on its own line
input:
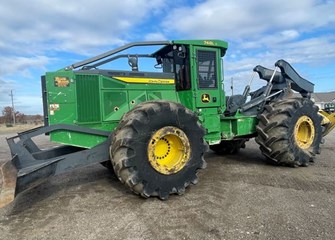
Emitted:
<point x="304" y="132"/>
<point x="169" y="150"/>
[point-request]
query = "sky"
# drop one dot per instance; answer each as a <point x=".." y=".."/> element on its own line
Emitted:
<point x="37" y="36"/>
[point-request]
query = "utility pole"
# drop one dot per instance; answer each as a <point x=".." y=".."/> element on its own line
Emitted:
<point x="13" y="109"/>
<point x="232" y="86"/>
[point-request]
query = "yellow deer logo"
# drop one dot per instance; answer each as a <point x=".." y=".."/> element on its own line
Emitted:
<point x="205" y="98"/>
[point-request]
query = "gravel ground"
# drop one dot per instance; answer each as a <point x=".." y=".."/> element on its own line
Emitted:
<point x="237" y="197"/>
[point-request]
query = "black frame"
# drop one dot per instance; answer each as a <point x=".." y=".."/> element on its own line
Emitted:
<point x="117" y="50"/>
<point x="33" y="164"/>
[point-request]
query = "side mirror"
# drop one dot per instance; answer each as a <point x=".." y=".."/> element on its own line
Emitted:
<point x="159" y="62"/>
<point x="133" y="62"/>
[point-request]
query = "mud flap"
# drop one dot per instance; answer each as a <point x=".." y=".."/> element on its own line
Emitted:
<point x="8" y="176"/>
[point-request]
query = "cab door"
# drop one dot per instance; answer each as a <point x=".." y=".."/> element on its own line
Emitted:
<point x="208" y="87"/>
<point x="208" y="90"/>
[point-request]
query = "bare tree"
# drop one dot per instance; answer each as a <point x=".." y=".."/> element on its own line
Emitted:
<point x="7" y="113"/>
<point x="20" y="117"/>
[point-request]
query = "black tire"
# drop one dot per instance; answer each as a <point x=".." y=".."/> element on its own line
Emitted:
<point x="228" y="147"/>
<point x="130" y="148"/>
<point x="280" y="129"/>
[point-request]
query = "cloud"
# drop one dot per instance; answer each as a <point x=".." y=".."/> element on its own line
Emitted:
<point x="274" y="39"/>
<point x="239" y="19"/>
<point x="22" y="65"/>
<point x="260" y="32"/>
<point x="38" y="35"/>
<point x="37" y="26"/>
<point x="5" y="88"/>
<point x="155" y="36"/>
<point x="306" y="51"/>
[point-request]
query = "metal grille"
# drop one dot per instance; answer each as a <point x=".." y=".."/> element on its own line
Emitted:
<point x="88" y="103"/>
<point x="207" y="69"/>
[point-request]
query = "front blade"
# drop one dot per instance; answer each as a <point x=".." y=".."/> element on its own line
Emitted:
<point x="8" y="176"/>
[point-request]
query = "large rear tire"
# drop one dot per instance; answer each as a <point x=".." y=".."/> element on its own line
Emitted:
<point x="158" y="148"/>
<point x="289" y="132"/>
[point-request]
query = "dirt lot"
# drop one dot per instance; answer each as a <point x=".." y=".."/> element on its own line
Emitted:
<point x="237" y="197"/>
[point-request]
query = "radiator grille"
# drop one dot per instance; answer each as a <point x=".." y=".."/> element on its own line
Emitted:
<point x="88" y="100"/>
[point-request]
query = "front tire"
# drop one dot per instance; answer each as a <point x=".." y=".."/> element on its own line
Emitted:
<point x="289" y="132"/>
<point x="158" y="148"/>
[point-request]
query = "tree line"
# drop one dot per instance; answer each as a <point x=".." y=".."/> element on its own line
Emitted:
<point x="21" y="118"/>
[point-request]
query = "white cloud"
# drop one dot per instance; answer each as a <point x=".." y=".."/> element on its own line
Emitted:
<point x="5" y="88"/>
<point x="312" y="52"/>
<point x="271" y="40"/>
<point x="238" y="19"/>
<point x="67" y="25"/>
<point x="38" y="33"/>
<point x="289" y="34"/>
<point x="22" y="65"/>
<point x="317" y="49"/>
<point x="260" y="32"/>
<point x="155" y="36"/>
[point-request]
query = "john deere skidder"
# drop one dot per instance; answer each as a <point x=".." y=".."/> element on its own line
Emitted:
<point x="153" y="127"/>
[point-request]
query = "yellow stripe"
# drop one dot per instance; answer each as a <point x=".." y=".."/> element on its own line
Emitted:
<point x="145" y="80"/>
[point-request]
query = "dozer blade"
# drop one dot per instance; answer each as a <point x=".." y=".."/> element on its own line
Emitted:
<point x="31" y="165"/>
<point x="328" y="122"/>
<point x="8" y="176"/>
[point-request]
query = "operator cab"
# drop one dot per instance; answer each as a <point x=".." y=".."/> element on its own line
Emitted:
<point x="194" y="66"/>
<point x="197" y="68"/>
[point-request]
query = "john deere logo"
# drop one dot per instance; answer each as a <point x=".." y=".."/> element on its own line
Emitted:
<point x="205" y="98"/>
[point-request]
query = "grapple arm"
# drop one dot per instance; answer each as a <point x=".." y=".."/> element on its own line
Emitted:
<point x="287" y="73"/>
<point x="298" y="84"/>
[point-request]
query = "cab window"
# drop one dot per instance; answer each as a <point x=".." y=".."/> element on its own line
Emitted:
<point x="206" y="69"/>
<point x="182" y="70"/>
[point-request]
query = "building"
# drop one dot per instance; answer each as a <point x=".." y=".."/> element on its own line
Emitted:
<point x="323" y="98"/>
